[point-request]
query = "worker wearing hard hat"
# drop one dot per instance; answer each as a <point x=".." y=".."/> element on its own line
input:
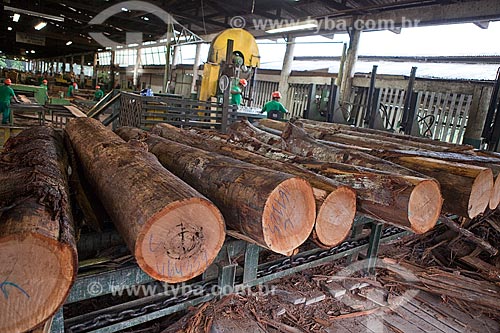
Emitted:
<point x="46" y="89"/>
<point x="6" y="93"/>
<point x="98" y="93"/>
<point x="275" y="110"/>
<point x="71" y="89"/>
<point x="236" y="92"/>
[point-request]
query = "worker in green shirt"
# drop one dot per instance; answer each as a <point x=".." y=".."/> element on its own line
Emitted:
<point x="275" y="110"/>
<point x="6" y="93"/>
<point x="98" y="93"/>
<point x="44" y="86"/>
<point x="71" y="89"/>
<point x="236" y="92"/>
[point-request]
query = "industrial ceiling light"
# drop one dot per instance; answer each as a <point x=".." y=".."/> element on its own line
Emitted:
<point x="145" y="18"/>
<point x="310" y="24"/>
<point x="32" y="51"/>
<point x="40" y="25"/>
<point x="69" y="43"/>
<point x="16" y="17"/>
<point x="31" y="13"/>
<point x="124" y="9"/>
<point x="9" y="28"/>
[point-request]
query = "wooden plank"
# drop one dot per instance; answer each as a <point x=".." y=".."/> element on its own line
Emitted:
<point x="431" y="316"/>
<point x="457" y="318"/>
<point x="457" y="117"/>
<point x="393" y="319"/>
<point x="75" y="111"/>
<point x="463" y="121"/>
<point x="442" y="115"/>
<point x="434" y="109"/>
<point x="449" y="119"/>
<point x="422" y="320"/>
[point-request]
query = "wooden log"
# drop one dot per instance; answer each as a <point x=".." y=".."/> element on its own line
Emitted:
<point x="394" y="199"/>
<point x="37" y="238"/>
<point x="353" y="138"/>
<point x="296" y="140"/>
<point x="388" y="136"/>
<point x="408" y="202"/>
<point x="466" y="188"/>
<point x="335" y="203"/>
<point x="172" y="230"/>
<point x="275" y="209"/>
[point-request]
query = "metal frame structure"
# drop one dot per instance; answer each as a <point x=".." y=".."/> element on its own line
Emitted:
<point x="223" y="277"/>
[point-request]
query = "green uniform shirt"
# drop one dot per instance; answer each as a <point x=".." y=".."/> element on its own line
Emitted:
<point x="6" y="93"/>
<point x="274" y="106"/>
<point x="98" y="94"/>
<point x="236" y="98"/>
<point x="70" y="90"/>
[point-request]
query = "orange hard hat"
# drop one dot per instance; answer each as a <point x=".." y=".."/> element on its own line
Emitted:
<point x="243" y="82"/>
<point x="45" y="81"/>
<point x="276" y="94"/>
<point x="98" y="87"/>
<point x="7" y="82"/>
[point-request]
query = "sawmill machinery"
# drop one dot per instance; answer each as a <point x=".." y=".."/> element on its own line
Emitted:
<point x="245" y="60"/>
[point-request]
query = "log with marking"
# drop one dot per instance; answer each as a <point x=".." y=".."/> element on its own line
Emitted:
<point x="335" y="204"/>
<point x="38" y="259"/>
<point x="174" y="232"/>
<point x="274" y="209"/>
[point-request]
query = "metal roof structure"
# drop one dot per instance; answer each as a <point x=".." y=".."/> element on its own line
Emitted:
<point x="72" y="21"/>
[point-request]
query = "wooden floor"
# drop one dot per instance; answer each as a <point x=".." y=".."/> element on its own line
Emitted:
<point x="425" y="314"/>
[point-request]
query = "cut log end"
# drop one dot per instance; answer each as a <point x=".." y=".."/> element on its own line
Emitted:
<point x="289" y="215"/>
<point x="495" y="194"/>
<point x="335" y="217"/>
<point x="480" y="193"/>
<point x="181" y="241"/>
<point x="424" y="206"/>
<point x="36" y="275"/>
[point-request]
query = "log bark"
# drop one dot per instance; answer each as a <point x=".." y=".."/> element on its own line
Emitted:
<point x="173" y="231"/>
<point x="335" y="203"/>
<point x="275" y="209"/>
<point x="417" y="142"/>
<point x="398" y="200"/>
<point x="466" y="188"/>
<point x="408" y="202"/>
<point x="296" y="140"/>
<point x="37" y="238"/>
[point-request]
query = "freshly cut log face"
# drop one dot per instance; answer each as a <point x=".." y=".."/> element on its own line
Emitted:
<point x="466" y="188"/>
<point x="174" y="232"/>
<point x="335" y="204"/>
<point x="275" y="209"/>
<point x="38" y="258"/>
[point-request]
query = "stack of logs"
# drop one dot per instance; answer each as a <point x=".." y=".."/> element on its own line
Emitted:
<point x="174" y="194"/>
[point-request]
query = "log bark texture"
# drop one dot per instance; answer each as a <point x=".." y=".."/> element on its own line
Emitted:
<point x="467" y="189"/>
<point x="174" y="232"/>
<point x="38" y="258"/>
<point x="296" y="140"/>
<point x="275" y="209"/>
<point x="394" y="199"/>
<point x="417" y="142"/>
<point x="335" y="203"/>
